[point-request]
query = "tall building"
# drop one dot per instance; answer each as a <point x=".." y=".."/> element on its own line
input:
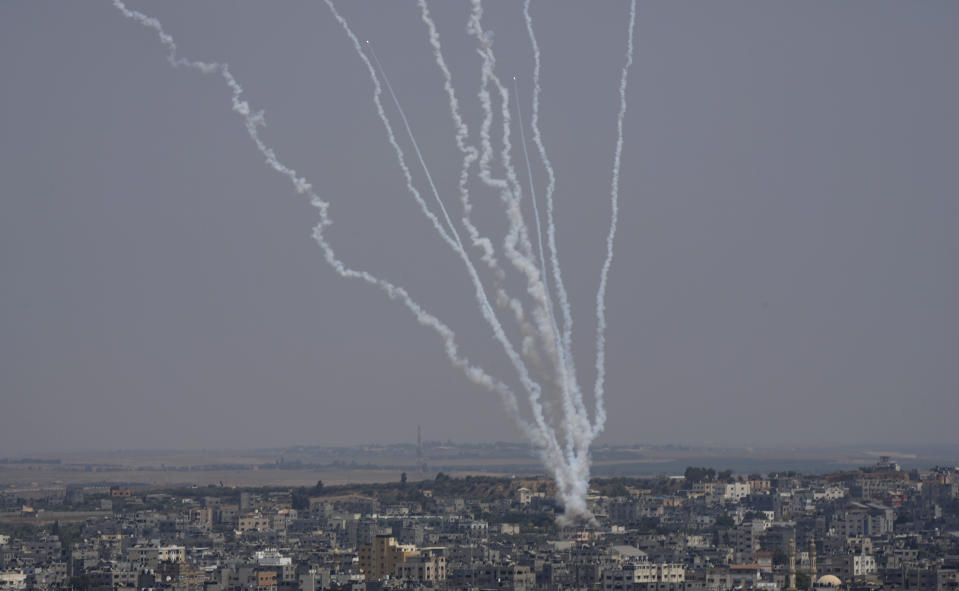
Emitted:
<point x="379" y="559"/>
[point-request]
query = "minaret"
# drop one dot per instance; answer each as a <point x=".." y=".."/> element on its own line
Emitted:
<point x="792" y="566"/>
<point x="812" y="563"/>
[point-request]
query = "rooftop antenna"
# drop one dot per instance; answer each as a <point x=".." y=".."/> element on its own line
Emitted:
<point x="419" y="450"/>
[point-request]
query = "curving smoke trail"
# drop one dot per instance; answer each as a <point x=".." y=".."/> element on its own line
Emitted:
<point x="508" y="188"/>
<point x="470" y="156"/>
<point x="584" y="429"/>
<point x="571" y="390"/>
<point x="252" y="121"/>
<point x="470" y="153"/>
<point x="562" y="440"/>
<point x="571" y="471"/>
<point x="576" y="415"/>
<point x="544" y="437"/>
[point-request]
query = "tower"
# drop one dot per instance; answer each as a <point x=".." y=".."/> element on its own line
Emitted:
<point x="812" y="563"/>
<point x="792" y="565"/>
<point x="419" y="450"/>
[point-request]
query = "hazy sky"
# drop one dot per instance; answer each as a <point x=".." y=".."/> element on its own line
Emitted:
<point x="786" y="269"/>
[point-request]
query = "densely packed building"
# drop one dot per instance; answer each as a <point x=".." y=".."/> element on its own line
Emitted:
<point x="880" y="528"/>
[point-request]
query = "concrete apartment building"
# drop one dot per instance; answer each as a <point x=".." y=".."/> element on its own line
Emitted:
<point x="379" y="559"/>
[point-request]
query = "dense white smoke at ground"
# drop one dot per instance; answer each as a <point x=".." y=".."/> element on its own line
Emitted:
<point x="560" y="428"/>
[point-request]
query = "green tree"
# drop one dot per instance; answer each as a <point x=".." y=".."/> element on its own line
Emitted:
<point x="300" y="500"/>
<point x="694" y="474"/>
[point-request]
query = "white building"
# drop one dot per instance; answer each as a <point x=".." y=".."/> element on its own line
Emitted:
<point x="733" y="492"/>
<point x="14" y="579"/>
<point x="863" y="565"/>
<point x="271" y="557"/>
<point x="632" y="574"/>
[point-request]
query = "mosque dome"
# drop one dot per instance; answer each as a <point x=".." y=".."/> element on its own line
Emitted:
<point x="828" y="581"/>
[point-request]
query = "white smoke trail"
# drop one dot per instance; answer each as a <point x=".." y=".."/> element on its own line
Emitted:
<point x="576" y="423"/>
<point x="584" y="430"/>
<point x="544" y="436"/>
<point x="565" y="308"/>
<point x="523" y="260"/>
<point x="252" y="121"/>
<point x="502" y="299"/>
<point x="572" y="469"/>
<point x="470" y="155"/>
<point x="600" y="420"/>
<point x="575" y="427"/>
<point x="508" y="188"/>
<point x="566" y="380"/>
<point x="514" y="214"/>
<point x="459" y="248"/>
<point x="563" y="444"/>
<point x="507" y="194"/>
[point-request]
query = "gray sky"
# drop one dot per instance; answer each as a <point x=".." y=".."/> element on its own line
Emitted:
<point x="786" y="258"/>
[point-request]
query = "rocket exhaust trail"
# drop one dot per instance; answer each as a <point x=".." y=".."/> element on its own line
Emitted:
<point x="508" y="189"/>
<point x="575" y="426"/>
<point x="583" y="428"/>
<point x="562" y="440"/>
<point x="470" y="155"/>
<point x="584" y="431"/>
<point x="453" y="241"/>
<point x="459" y="248"/>
<point x="570" y="469"/>
<point x="514" y="218"/>
<point x="252" y="121"/>
<point x="470" y="152"/>
<point x="564" y="361"/>
<point x="544" y="436"/>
